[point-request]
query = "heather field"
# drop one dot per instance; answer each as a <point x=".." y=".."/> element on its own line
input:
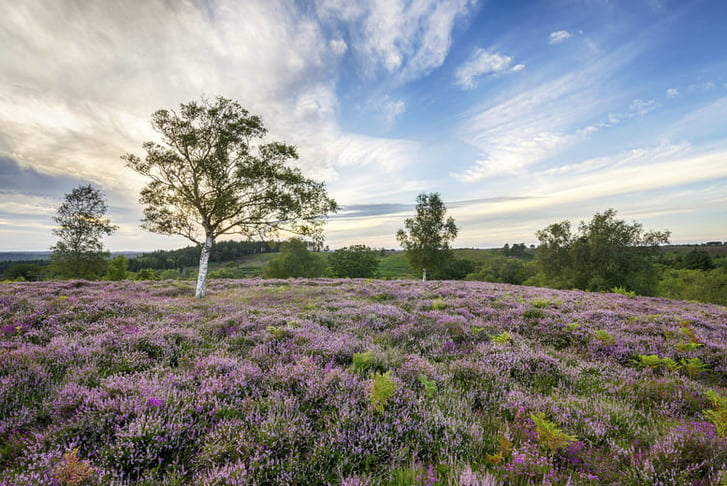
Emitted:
<point x="355" y="382"/>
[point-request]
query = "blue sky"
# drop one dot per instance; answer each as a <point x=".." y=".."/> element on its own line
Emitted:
<point x="519" y="113"/>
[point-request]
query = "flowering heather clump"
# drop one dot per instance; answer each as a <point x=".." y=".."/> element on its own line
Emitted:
<point x="357" y="382"/>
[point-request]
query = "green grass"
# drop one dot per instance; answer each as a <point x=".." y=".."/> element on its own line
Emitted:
<point x="395" y="266"/>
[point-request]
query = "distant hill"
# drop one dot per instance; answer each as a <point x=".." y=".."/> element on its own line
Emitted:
<point x="14" y="256"/>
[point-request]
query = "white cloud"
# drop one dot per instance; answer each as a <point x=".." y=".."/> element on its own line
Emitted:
<point x="394" y="108"/>
<point x="641" y="107"/>
<point x="672" y="92"/>
<point x="559" y="36"/>
<point x="483" y="63"/>
<point x="405" y="38"/>
<point x="78" y="86"/>
<point x="339" y="46"/>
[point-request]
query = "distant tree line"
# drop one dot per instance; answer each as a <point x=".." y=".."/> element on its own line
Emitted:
<point x="223" y="251"/>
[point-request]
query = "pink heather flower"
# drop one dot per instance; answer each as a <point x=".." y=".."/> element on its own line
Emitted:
<point x="154" y="402"/>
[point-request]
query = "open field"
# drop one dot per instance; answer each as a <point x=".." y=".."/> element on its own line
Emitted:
<point x="357" y="382"/>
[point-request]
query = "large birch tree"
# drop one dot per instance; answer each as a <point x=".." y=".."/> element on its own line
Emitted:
<point x="213" y="175"/>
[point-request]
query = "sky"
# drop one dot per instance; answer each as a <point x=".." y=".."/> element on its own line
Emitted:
<point x="518" y="113"/>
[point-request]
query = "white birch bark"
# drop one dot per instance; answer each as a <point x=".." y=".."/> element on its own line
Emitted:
<point x="204" y="259"/>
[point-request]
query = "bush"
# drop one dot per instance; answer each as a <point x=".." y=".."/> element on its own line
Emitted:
<point x="356" y="261"/>
<point x="704" y="286"/>
<point x="503" y="270"/>
<point x="294" y="261"/>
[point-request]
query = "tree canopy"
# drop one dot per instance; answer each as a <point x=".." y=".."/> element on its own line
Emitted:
<point x="79" y="252"/>
<point x="604" y="253"/>
<point x="295" y="260"/>
<point x="426" y="236"/>
<point x="213" y="175"/>
<point x="355" y="261"/>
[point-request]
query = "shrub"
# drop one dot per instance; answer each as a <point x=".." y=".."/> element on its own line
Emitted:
<point x="356" y="261"/>
<point x="295" y="261"/>
<point x="382" y="389"/>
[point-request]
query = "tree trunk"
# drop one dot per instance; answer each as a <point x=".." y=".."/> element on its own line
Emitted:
<point x="424" y="274"/>
<point x="204" y="259"/>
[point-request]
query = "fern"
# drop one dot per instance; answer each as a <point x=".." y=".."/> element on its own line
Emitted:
<point x="551" y="438"/>
<point x="382" y="389"/>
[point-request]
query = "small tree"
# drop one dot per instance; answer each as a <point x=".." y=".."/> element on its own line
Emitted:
<point x="81" y="226"/>
<point x="212" y="175"/>
<point x="118" y="269"/>
<point x="427" y="236"/>
<point x="294" y="260"/>
<point x="355" y="261"/>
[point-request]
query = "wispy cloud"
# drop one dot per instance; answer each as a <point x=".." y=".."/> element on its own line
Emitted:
<point x="534" y="125"/>
<point x="408" y="39"/>
<point x="559" y="36"/>
<point x="672" y="92"/>
<point x="484" y="63"/>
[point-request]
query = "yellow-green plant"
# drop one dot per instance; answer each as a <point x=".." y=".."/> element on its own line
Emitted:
<point x="72" y="471"/>
<point x="688" y="346"/>
<point x="278" y="332"/>
<point x="651" y="361"/>
<point x="623" y="291"/>
<point x="504" y="447"/>
<point x="366" y="362"/>
<point x="603" y="336"/>
<point x="502" y="338"/>
<point x="694" y="366"/>
<point x="718" y="415"/>
<point x="670" y="364"/>
<point x="573" y="326"/>
<point x="439" y="304"/>
<point x="382" y="389"/>
<point x="550" y="437"/>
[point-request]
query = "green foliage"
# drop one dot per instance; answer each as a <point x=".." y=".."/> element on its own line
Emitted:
<point x="294" y="260"/>
<point x="212" y="175"/>
<point x="24" y="272"/>
<point x="649" y="361"/>
<point x="382" y="389"/>
<point x="605" y="253"/>
<point x="503" y="270"/>
<point x="81" y="226"/>
<point x="453" y="268"/>
<point x="426" y="236"/>
<point x="356" y="261"/>
<point x="622" y="291"/>
<point x="693" y="366"/>
<point x="118" y="269"/>
<point x="430" y="386"/>
<point x="550" y="437"/>
<point x="717" y="415"/>
<point x="502" y="338"/>
<point x="700" y="285"/>
<point x="654" y="362"/>
<point x="366" y="362"/>
<point x="146" y="274"/>
<point x="439" y="304"/>
<point x="604" y="336"/>
<point x="697" y="260"/>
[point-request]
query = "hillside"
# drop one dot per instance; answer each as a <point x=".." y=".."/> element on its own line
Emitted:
<point x="358" y="382"/>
